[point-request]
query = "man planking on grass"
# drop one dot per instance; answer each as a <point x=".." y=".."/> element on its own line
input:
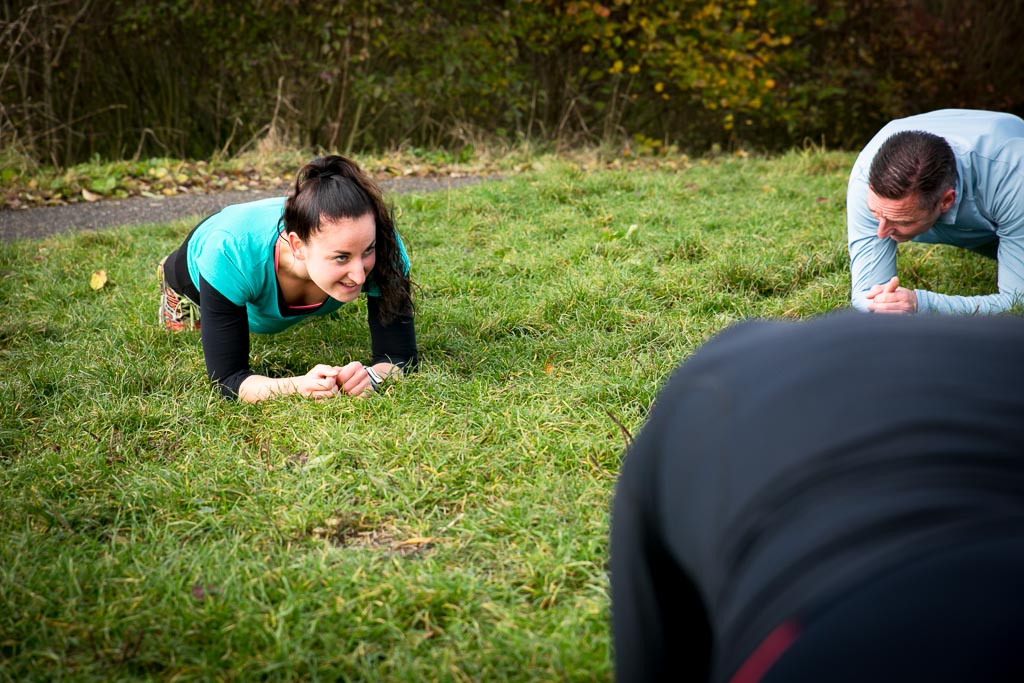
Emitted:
<point x="953" y="176"/>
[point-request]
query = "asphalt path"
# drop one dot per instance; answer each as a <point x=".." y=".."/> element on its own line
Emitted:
<point x="44" y="221"/>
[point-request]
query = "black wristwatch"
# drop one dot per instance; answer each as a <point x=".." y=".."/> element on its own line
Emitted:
<point x="375" y="379"/>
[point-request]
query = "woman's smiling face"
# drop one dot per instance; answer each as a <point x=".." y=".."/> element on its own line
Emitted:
<point x="340" y="255"/>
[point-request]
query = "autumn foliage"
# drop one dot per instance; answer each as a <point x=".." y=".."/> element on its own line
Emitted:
<point x="191" y="78"/>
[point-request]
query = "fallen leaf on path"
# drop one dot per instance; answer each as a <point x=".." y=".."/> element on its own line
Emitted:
<point x="89" y="196"/>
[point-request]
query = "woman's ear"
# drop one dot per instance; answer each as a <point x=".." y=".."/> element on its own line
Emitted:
<point x="297" y="246"/>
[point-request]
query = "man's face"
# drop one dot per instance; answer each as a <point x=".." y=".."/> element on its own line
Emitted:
<point x="901" y="220"/>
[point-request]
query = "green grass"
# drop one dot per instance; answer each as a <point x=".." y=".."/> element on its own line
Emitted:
<point x="151" y="530"/>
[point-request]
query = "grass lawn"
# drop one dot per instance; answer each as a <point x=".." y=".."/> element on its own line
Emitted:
<point x="454" y="528"/>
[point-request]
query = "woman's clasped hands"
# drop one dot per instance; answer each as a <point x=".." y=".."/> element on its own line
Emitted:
<point x="327" y="381"/>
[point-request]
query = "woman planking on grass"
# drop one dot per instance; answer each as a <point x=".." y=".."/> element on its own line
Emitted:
<point x="264" y="266"/>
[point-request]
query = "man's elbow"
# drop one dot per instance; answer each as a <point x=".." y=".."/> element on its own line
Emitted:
<point x="859" y="302"/>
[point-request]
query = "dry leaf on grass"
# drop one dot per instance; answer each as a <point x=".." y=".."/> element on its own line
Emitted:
<point x="414" y="542"/>
<point x="548" y="365"/>
<point x="98" y="279"/>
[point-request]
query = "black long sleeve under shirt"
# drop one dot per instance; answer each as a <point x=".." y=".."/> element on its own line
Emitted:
<point x="225" y="327"/>
<point x="225" y="336"/>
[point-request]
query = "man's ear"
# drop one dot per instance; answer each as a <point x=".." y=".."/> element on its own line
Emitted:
<point x="947" y="200"/>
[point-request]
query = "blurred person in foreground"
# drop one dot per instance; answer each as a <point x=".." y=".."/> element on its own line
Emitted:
<point x="267" y="265"/>
<point x="955" y="177"/>
<point x="840" y="499"/>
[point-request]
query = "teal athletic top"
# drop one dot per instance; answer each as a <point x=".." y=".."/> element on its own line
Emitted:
<point x="234" y="251"/>
<point x="988" y="214"/>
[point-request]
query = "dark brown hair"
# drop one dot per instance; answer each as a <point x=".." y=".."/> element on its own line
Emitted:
<point x="913" y="162"/>
<point x="333" y="187"/>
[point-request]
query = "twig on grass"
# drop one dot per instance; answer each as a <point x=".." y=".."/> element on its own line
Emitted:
<point x="625" y="432"/>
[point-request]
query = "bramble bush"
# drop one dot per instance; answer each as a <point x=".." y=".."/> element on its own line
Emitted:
<point x="196" y="78"/>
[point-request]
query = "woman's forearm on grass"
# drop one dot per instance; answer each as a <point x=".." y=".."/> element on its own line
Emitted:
<point x="256" y="388"/>
<point x="320" y="382"/>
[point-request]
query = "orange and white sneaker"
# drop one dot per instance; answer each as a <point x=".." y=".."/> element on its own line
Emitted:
<point x="177" y="311"/>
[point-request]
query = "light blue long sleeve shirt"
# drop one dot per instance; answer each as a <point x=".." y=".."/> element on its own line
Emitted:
<point x="989" y="150"/>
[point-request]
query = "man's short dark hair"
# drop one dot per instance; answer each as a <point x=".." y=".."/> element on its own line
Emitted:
<point x="913" y="162"/>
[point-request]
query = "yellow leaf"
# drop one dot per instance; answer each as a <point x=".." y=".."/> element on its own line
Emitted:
<point x="98" y="279"/>
<point x="89" y="196"/>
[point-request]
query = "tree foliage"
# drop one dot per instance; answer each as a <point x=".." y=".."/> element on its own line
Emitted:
<point x="193" y="78"/>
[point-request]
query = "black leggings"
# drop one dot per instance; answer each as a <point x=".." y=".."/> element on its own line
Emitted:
<point x="955" y="616"/>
